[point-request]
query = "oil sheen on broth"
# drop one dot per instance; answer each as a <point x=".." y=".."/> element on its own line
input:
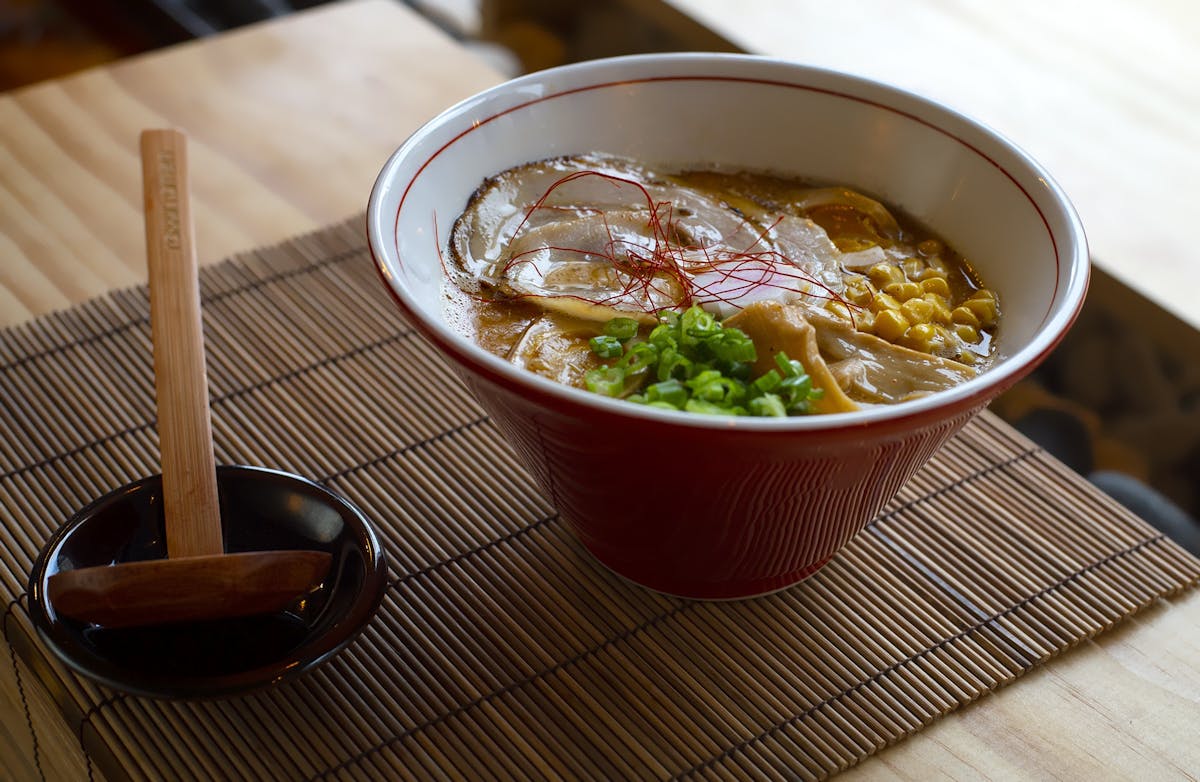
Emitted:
<point x="875" y="307"/>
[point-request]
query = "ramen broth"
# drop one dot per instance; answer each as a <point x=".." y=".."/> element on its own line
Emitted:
<point x="876" y="308"/>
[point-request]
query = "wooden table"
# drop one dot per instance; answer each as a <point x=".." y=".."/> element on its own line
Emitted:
<point x="290" y="122"/>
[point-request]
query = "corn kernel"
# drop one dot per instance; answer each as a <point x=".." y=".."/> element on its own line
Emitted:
<point x="927" y="274"/>
<point x="884" y="273"/>
<point x="929" y="247"/>
<point x="917" y="311"/>
<point x="913" y="268"/>
<point x="882" y="301"/>
<point x="858" y="290"/>
<point x="902" y="291"/>
<point x="941" y="311"/>
<point x="839" y="308"/>
<point x="920" y="337"/>
<point x="849" y="244"/>
<point x="890" y="324"/>
<point x="984" y="310"/>
<point x="983" y="293"/>
<point x="967" y="357"/>
<point x="966" y="332"/>
<point x="936" y="284"/>
<point x="864" y="321"/>
<point x="965" y="315"/>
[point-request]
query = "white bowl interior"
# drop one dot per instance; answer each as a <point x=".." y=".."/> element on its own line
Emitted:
<point x="979" y="192"/>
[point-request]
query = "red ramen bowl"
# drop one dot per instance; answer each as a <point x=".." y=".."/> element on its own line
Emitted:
<point x="714" y="506"/>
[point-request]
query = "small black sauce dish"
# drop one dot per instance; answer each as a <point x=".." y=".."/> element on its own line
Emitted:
<point x="261" y="510"/>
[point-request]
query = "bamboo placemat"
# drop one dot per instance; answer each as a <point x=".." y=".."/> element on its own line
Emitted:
<point x="501" y="648"/>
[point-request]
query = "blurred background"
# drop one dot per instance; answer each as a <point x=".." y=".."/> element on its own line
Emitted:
<point x="42" y="39"/>
<point x="1119" y="401"/>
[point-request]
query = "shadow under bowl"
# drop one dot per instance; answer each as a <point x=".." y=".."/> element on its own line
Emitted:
<point x="261" y="510"/>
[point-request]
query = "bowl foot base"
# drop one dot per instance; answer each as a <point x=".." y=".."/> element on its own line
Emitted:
<point x="709" y="590"/>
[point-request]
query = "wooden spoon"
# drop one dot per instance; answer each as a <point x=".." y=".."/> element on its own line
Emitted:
<point x="198" y="580"/>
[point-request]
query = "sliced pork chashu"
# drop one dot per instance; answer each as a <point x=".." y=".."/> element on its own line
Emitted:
<point x="555" y="347"/>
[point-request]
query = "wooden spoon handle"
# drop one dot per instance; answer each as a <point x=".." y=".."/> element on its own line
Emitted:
<point x="181" y="384"/>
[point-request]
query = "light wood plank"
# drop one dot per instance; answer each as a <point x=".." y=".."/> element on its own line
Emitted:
<point x="290" y="122"/>
<point x="1123" y="706"/>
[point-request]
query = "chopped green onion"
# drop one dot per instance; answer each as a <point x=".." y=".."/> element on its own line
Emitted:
<point x="672" y="363"/>
<point x="697" y="325"/>
<point x="623" y="329"/>
<point x="708" y="408"/>
<point x="767" y="405"/>
<point x="670" y="392"/>
<point x="790" y="367"/>
<point x="638" y="358"/>
<point x="767" y="382"/>
<point x="609" y="381"/>
<point x="732" y="345"/>
<point x="797" y="386"/>
<point x="663" y="337"/>
<point x="606" y="346"/>
<point x="689" y="361"/>
<point x="711" y="386"/>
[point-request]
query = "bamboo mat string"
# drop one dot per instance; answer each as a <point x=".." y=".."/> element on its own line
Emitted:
<point x="18" y="679"/>
<point x="501" y="648"/>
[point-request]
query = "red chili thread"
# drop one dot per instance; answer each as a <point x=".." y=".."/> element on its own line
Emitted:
<point x="669" y="263"/>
